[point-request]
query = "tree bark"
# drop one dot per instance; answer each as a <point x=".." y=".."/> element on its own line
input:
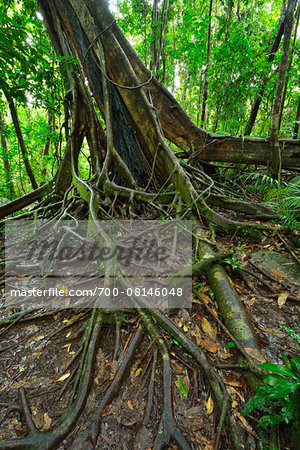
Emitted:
<point x="296" y="126"/>
<point x="205" y="86"/>
<point x="5" y="159"/>
<point x="275" y="147"/>
<point x="47" y="145"/>
<point x="15" y="119"/>
<point x="270" y="58"/>
<point x="289" y="65"/>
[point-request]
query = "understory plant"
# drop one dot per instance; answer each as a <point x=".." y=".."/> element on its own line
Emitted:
<point x="279" y="396"/>
<point x="284" y="197"/>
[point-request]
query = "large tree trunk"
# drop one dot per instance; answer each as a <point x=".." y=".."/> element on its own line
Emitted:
<point x="275" y="147"/>
<point x="205" y="87"/>
<point x="289" y="65"/>
<point x="297" y="119"/>
<point x="270" y="58"/>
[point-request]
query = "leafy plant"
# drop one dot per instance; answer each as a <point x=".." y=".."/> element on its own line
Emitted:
<point x="284" y="197"/>
<point x="233" y="262"/>
<point x="279" y="395"/>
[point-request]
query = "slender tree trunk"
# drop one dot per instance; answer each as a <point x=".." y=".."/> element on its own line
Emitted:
<point x="238" y="11"/>
<point x="296" y="126"/>
<point x="47" y="145"/>
<point x="15" y="119"/>
<point x="290" y="65"/>
<point x="154" y="43"/>
<point x="145" y="30"/>
<point x="5" y="159"/>
<point x="275" y="150"/>
<point x="162" y="40"/>
<point x="205" y="87"/>
<point x="270" y="58"/>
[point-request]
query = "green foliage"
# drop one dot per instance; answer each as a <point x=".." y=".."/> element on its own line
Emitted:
<point x="279" y="395"/>
<point x="284" y="197"/>
<point x="233" y="262"/>
<point x="240" y="44"/>
<point x="182" y="387"/>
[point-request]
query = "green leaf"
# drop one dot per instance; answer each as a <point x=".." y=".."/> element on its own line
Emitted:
<point x="289" y="408"/>
<point x="283" y="391"/>
<point x="285" y="360"/>
<point x="274" y="368"/>
<point x="269" y="421"/>
<point x="296" y="363"/>
<point x="230" y="345"/>
<point x="273" y="379"/>
<point x="292" y="333"/>
<point x="256" y="402"/>
<point x="182" y="387"/>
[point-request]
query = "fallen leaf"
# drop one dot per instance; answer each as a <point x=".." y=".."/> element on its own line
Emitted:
<point x="209" y="405"/>
<point x="194" y="411"/>
<point x="277" y="333"/>
<point x="282" y="299"/>
<point x="246" y="425"/>
<point x="183" y="385"/>
<point x="21" y="369"/>
<point x="64" y="377"/>
<point x="209" y="346"/>
<point x="279" y="273"/>
<point x="224" y="355"/>
<point x="256" y="354"/>
<point x="209" y="329"/>
<point x="38" y="338"/>
<point x="236" y="393"/>
<point x="138" y="372"/>
<point x="47" y="421"/>
<point x="231" y="381"/>
<point x="130" y="405"/>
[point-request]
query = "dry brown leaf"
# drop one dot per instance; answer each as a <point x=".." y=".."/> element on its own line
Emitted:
<point x="279" y="273"/>
<point x="38" y="338"/>
<point x="209" y="405"/>
<point x="194" y="411"/>
<point x="197" y="334"/>
<point x="130" y="405"/>
<point x="277" y="333"/>
<point x="177" y="367"/>
<point x="47" y="421"/>
<point x="231" y="381"/>
<point x="256" y="354"/>
<point x="209" y="346"/>
<point x="282" y="299"/>
<point x="236" y="393"/>
<point x="246" y="425"/>
<point x="224" y="355"/>
<point x="209" y="329"/>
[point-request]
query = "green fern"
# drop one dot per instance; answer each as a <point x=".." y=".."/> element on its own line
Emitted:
<point x="284" y="197"/>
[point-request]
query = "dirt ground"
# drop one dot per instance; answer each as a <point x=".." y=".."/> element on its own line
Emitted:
<point x="40" y="352"/>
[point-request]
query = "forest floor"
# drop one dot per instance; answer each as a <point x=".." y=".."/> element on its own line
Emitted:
<point x="39" y="353"/>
